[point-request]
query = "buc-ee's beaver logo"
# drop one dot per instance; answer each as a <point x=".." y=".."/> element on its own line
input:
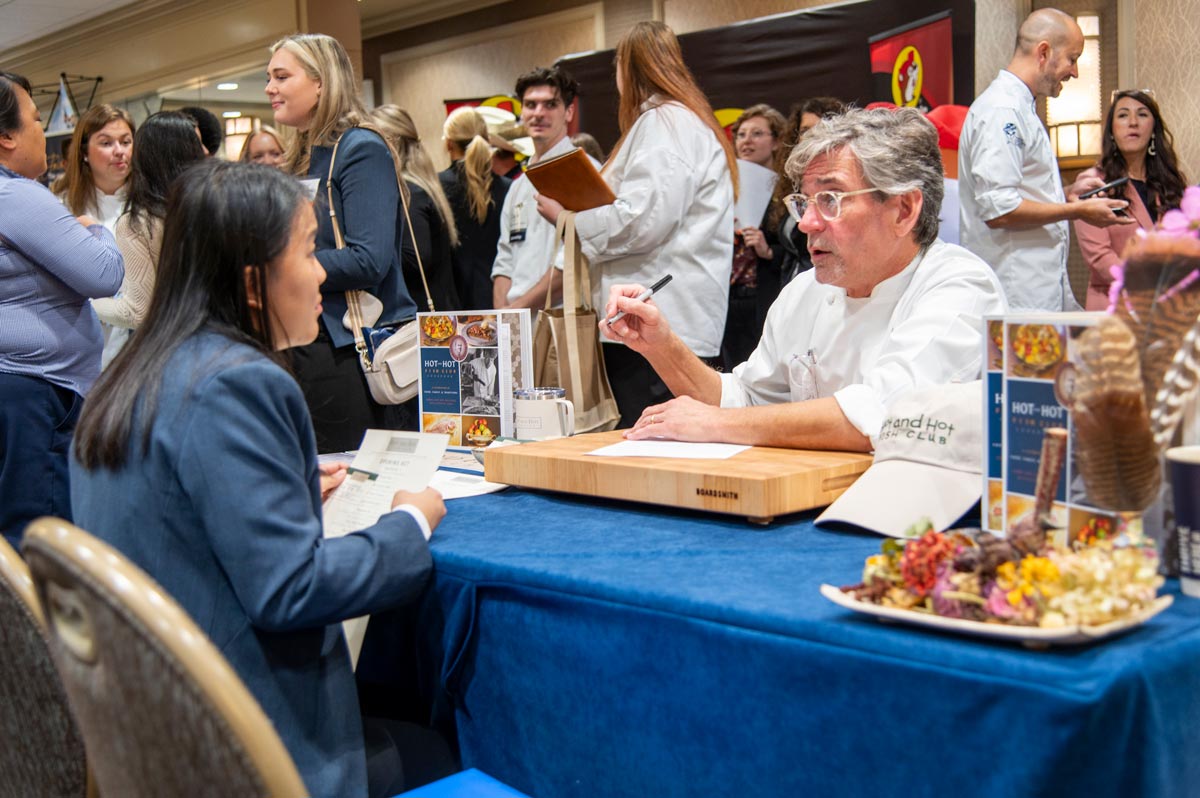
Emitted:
<point x="908" y="73"/>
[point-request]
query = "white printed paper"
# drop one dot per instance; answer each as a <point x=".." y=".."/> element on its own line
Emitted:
<point x="755" y="186"/>
<point x="386" y="462"/>
<point x="453" y="485"/>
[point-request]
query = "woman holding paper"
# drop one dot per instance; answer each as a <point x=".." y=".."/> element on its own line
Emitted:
<point x="757" y="137"/>
<point x="673" y="172"/>
<point x="195" y="456"/>
<point x="312" y="88"/>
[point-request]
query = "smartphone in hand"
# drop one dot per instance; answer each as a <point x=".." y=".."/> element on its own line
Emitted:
<point x="1120" y="181"/>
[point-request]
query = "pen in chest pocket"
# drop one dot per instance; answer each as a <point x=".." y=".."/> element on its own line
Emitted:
<point x="803" y="369"/>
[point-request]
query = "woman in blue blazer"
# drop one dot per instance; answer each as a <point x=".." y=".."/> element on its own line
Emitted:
<point x="195" y="457"/>
<point x="311" y="87"/>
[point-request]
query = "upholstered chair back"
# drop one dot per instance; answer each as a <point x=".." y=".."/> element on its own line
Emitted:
<point x="162" y="712"/>
<point x="42" y="750"/>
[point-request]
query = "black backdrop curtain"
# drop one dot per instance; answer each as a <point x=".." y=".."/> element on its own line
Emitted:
<point x="784" y="59"/>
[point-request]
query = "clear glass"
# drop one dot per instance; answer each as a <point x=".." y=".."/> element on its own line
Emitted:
<point x="829" y="203"/>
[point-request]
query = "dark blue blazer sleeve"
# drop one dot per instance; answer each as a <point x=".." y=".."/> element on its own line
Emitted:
<point x="366" y="197"/>
<point x="257" y="487"/>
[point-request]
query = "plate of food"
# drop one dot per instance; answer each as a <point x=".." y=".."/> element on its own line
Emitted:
<point x="481" y="333"/>
<point x="1031" y="636"/>
<point x="1037" y="346"/>
<point x="437" y="329"/>
<point x="1021" y="588"/>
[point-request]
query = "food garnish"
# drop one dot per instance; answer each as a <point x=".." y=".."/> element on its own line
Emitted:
<point x="977" y="576"/>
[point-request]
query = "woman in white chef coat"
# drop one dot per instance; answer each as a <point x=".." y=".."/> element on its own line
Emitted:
<point x="673" y="172"/>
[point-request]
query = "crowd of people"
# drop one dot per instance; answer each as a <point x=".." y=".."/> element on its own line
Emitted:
<point x="213" y="297"/>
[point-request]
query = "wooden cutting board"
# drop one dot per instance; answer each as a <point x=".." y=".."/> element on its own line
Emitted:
<point x="759" y="483"/>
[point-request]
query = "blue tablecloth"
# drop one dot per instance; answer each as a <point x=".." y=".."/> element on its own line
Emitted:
<point x="606" y="649"/>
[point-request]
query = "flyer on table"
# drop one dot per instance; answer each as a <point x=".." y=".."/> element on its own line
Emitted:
<point x="471" y="362"/>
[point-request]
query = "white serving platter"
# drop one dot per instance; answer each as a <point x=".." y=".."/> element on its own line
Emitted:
<point x="1031" y="636"/>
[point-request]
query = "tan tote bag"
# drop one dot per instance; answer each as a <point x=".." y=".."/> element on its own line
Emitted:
<point x="567" y="352"/>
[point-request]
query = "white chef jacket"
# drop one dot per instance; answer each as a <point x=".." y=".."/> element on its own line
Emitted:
<point x="527" y="245"/>
<point x="673" y="215"/>
<point x="1004" y="156"/>
<point x="920" y="327"/>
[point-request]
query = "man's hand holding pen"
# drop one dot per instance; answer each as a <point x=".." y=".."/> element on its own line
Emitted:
<point x="642" y="327"/>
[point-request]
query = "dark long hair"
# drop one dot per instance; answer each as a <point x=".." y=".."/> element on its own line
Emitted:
<point x="221" y="217"/>
<point x="1164" y="182"/>
<point x="10" y="100"/>
<point x="164" y="146"/>
<point x="818" y="106"/>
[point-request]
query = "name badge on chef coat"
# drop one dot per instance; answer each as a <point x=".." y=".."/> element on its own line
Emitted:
<point x="516" y="224"/>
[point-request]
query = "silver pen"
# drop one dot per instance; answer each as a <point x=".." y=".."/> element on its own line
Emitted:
<point x="642" y="297"/>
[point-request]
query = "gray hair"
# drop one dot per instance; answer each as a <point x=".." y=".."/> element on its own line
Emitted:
<point x="897" y="151"/>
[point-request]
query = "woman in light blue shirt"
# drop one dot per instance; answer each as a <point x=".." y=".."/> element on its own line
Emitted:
<point x="51" y="263"/>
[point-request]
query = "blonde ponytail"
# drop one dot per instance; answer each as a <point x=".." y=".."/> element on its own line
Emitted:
<point x="466" y="128"/>
<point x="477" y="165"/>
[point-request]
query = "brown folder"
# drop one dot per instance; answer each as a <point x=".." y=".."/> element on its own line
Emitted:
<point x="572" y="180"/>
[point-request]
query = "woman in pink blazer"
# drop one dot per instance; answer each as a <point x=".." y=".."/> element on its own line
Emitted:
<point x="1136" y="145"/>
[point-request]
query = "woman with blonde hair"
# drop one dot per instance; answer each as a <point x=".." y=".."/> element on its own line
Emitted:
<point x="264" y="145"/>
<point x="429" y="212"/>
<point x="674" y="174"/>
<point x="312" y="88"/>
<point x="98" y="165"/>
<point x="476" y="197"/>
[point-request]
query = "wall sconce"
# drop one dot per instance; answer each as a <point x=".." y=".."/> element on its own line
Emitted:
<point x="1074" y="117"/>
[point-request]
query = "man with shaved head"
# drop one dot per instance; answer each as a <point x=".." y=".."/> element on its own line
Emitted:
<point x="1013" y="210"/>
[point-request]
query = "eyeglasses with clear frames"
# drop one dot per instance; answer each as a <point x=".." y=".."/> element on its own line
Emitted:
<point x="746" y="133"/>
<point x="829" y="203"/>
